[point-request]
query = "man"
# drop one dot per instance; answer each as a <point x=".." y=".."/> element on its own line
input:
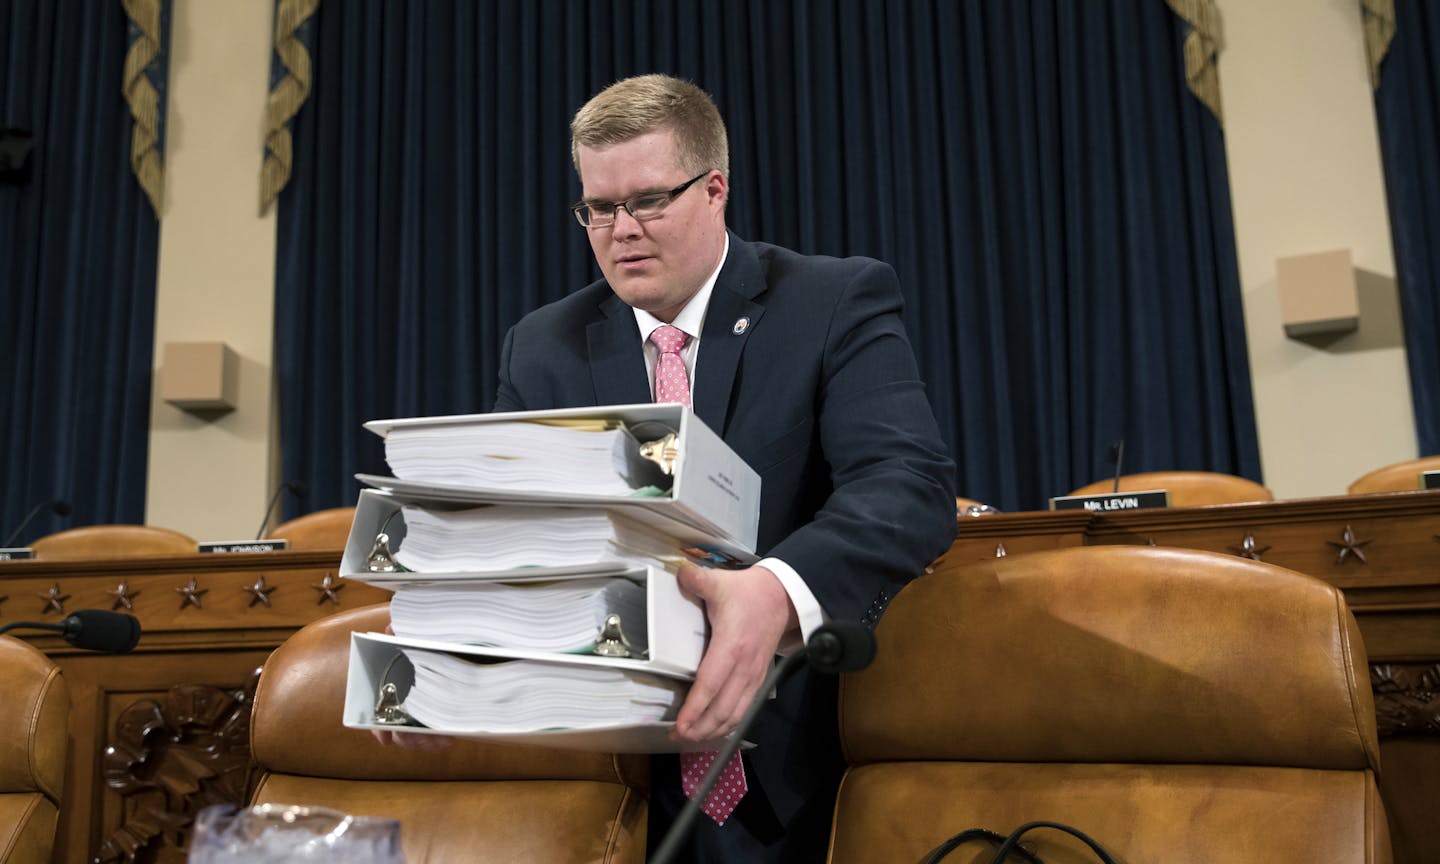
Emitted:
<point x="802" y="365"/>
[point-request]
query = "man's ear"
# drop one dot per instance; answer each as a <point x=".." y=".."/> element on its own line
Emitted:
<point x="717" y="191"/>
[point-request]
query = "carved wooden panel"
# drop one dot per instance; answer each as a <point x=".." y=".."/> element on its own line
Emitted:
<point x="1407" y="698"/>
<point x="158" y="734"/>
<point x="170" y="759"/>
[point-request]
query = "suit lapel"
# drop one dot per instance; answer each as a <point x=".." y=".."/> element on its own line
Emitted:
<point x="732" y="308"/>
<point x="617" y="362"/>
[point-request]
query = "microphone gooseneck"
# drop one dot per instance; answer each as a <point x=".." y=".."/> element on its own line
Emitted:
<point x="839" y="646"/>
<point x="58" y="506"/>
<point x="1117" y="455"/>
<point x="297" y="489"/>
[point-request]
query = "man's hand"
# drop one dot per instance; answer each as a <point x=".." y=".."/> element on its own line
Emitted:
<point x="409" y="740"/>
<point x="749" y="612"/>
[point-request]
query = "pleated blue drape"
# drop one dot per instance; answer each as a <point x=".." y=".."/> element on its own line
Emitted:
<point x="1407" y="111"/>
<point x="1054" y="200"/>
<point x="78" y="246"/>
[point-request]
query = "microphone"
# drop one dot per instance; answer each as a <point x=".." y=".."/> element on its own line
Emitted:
<point x="57" y="506"/>
<point x="297" y="489"/>
<point x="839" y="646"/>
<point x="92" y="630"/>
<point x="1117" y="455"/>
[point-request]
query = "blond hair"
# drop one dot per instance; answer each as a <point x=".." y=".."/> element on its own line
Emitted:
<point x="632" y="107"/>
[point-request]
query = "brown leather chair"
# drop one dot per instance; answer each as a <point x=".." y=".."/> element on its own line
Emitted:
<point x="1177" y="706"/>
<point x="1187" y="488"/>
<point x="321" y="530"/>
<point x="1400" y="477"/>
<point x="109" y="541"/>
<point x="34" y="710"/>
<point x="468" y="802"/>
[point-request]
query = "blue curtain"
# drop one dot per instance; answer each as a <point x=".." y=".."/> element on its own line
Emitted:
<point x="78" y="246"/>
<point x="1054" y="200"/>
<point x="1407" y="111"/>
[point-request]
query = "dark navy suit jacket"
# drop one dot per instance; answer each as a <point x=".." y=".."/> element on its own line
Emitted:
<point x="820" y="394"/>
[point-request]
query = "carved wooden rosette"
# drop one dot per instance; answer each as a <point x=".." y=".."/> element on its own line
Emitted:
<point x="1407" y="698"/>
<point x="170" y="759"/>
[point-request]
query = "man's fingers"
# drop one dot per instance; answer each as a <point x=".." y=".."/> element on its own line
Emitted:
<point x="724" y="685"/>
<point x="694" y="581"/>
<point x="410" y="740"/>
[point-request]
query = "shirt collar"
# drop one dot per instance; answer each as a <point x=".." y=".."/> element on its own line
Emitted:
<point x="692" y="316"/>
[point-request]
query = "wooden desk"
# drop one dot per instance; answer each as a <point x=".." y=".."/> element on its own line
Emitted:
<point x="159" y="734"/>
<point x="1382" y="551"/>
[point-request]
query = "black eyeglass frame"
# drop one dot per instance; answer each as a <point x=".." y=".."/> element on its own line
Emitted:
<point x="581" y="208"/>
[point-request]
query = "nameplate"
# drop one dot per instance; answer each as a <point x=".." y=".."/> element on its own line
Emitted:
<point x="1112" y="501"/>
<point x="1430" y="480"/>
<point x="224" y="546"/>
<point x="17" y="553"/>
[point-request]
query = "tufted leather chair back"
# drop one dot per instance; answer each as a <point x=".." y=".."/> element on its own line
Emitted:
<point x="109" y="541"/>
<point x="34" y="711"/>
<point x="1178" y="706"/>
<point x="1187" y="488"/>
<point x="321" y="530"/>
<point x="1399" y="477"/>
<point x="469" y="802"/>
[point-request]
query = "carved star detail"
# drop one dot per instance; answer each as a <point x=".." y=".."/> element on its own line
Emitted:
<point x="1250" y="548"/>
<point x="191" y="594"/>
<point x="1000" y="550"/>
<point x="259" y="593"/>
<point x="54" y="600"/>
<point x="124" y="597"/>
<point x="329" y="589"/>
<point x="1350" y="546"/>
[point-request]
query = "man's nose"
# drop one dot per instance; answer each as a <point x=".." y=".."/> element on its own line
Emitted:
<point x="626" y="225"/>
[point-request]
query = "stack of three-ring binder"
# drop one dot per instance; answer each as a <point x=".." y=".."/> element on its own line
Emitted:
<point x="533" y="556"/>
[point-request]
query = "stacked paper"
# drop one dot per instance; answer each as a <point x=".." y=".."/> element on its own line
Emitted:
<point x="469" y="697"/>
<point x="509" y="542"/>
<point x="560" y="616"/>
<point x="529" y="457"/>
<point x="579" y="459"/>
<point x="499" y="538"/>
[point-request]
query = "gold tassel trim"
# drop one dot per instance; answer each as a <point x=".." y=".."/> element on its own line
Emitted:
<point x="1379" y="18"/>
<point x="1202" y="49"/>
<point x="144" y="100"/>
<point x="286" y="98"/>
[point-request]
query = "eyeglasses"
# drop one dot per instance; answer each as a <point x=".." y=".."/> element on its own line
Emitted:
<point x="601" y="214"/>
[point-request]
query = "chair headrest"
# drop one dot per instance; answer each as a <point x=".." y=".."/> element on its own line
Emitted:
<point x="33" y="715"/>
<point x="1115" y="654"/>
<point x="296" y="724"/>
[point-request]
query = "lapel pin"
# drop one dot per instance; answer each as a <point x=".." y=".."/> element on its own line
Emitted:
<point x="741" y="324"/>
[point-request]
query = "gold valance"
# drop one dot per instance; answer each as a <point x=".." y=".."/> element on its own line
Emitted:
<point x="1379" y="18"/>
<point x="144" y="99"/>
<point x="286" y="96"/>
<point x="1202" y="49"/>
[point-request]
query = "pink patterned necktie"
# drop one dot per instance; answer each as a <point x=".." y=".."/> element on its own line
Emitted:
<point x="672" y="384"/>
<point x="728" y="791"/>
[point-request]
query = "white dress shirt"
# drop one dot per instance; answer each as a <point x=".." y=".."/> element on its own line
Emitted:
<point x="691" y="320"/>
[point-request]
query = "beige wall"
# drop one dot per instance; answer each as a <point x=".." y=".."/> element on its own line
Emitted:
<point x="1305" y="176"/>
<point x="210" y="476"/>
<point x="1304" y="171"/>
